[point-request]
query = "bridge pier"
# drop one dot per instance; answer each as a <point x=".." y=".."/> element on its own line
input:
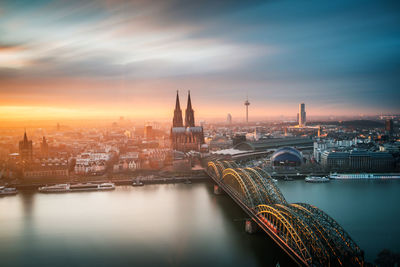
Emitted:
<point x="218" y="190"/>
<point x="251" y="227"/>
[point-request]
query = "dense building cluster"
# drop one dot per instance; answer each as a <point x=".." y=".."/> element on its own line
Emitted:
<point x="123" y="147"/>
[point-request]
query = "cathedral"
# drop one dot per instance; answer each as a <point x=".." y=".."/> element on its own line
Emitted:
<point x="186" y="137"/>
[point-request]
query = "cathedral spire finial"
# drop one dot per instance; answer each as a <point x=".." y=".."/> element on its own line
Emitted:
<point x="189" y="103"/>
<point x="189" y="114"/>
<point x="25" y="136"/>
<point x="177" y="104"/>
<point x="177" y="121"/>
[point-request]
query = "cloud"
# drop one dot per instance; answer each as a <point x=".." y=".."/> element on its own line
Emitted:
<point x="282" y="51"/>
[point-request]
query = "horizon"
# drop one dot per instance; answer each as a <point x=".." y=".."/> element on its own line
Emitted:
<point x="68" y="60"/>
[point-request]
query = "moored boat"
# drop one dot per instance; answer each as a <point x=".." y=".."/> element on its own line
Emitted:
<point x="363" y="176"/>
<point x="7" y="191"/>
<point x="62" y="188"/>
<point x="316" y="179"/>
<point x="58" y="188"/>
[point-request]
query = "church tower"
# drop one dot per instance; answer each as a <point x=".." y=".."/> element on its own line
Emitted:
<point x="25" y="148"/>
<point x="189" y="115"/>
<point x="177" y="121"/>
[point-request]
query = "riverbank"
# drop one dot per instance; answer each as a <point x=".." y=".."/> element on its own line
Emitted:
<point x="145" y="176"/>
<point x="117" y="181"/>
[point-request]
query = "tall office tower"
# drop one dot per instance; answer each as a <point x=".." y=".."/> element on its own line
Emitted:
<point x="302" y="115"/>
<point x="177" y="120"/>
<point x="189" y="114"/>
<point x="25" y="149"/>
<point x="229" y="119"/>
<point x="247" y="103"/>
<point x="389" y="126"/>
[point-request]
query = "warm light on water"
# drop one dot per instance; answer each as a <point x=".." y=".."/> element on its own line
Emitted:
<point x="175" y="225"/>
<point x="178" y="225"/>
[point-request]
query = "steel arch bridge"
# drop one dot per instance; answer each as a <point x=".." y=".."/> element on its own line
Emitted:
<point x="304" y="230"/>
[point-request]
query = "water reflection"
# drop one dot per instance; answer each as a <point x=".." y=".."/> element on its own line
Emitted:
<point x="27" y="200"/>
<point x="173" y="225"/>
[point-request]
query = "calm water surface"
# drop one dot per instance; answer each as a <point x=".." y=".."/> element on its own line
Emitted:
<point x="368" y="210"/>
<point x="178" y="225"/>
<point x="153" y="225"/>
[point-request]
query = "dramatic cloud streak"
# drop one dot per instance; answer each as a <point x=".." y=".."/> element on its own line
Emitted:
<point x="338" y="57"/>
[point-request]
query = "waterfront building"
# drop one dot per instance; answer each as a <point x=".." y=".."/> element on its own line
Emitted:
<point x="97" y="167"/>
<point x="91" y="162"/>
<point x="188" y="137"/>
<point x="47" y="168"/>
<point x="125" y="165"/>
<point x="321" y="146"/>
<point x="128" y="161"/>
<point x="287" y="156"/>
<point x="25" y="149"/>
<point x="358" y="160"/>
<point x="335" y="160"/>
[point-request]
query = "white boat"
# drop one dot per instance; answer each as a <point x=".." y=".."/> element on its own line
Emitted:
<point x="137" y="183"/>
<point x="316" y="179"/>
<point x="7" y="191"/>
<point x="92" y="187"/>
<point x="62" y="188"/>
<point x="363" y="176"/>
<point x="58" y="188"/>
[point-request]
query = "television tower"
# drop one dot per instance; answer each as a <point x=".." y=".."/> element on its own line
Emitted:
<point x="247" y="103"/>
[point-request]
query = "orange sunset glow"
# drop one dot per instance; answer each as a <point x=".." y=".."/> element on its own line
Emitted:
<point x="199" y="133"/>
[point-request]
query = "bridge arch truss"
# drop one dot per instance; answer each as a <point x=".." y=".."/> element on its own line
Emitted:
<point x="307" y="230"/>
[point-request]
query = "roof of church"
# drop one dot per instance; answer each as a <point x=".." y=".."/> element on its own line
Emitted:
<point x="196" y="129"/>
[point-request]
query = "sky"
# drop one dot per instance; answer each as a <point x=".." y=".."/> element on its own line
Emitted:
<point x="107" y="58"/>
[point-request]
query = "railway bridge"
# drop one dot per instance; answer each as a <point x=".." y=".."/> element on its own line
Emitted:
<point x="306" y="233"/>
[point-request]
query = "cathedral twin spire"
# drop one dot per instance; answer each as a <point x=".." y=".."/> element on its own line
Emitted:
<point x="177" y="121"/>
<point x="189" y="113"/>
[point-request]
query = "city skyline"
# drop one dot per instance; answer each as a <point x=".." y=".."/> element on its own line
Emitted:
<point x="107" y="59"/>
<point x="199" y="133"/>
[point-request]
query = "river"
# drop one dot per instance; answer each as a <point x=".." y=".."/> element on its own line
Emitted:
<point x="178" y="225"/>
